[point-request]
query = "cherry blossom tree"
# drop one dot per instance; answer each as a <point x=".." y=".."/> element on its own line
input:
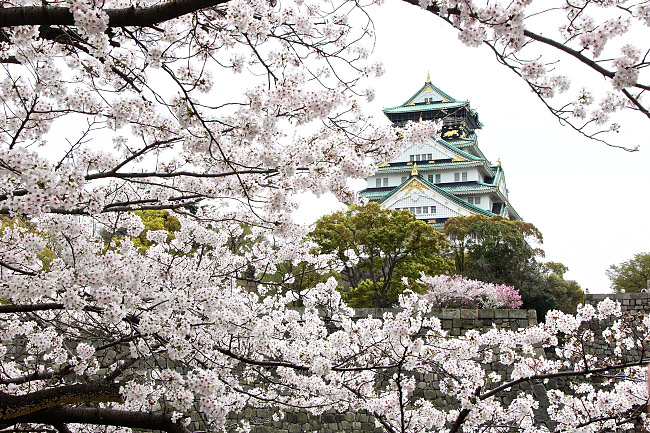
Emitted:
<point x="114" y="107"/>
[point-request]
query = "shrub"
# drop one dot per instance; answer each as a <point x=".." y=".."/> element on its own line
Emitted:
<point x="455" y="291"/>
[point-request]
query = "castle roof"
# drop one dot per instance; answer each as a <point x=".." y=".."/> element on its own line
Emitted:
<point x="428" y="97"/>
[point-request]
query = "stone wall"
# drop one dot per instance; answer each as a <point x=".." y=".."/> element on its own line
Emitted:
<point x="456" y="321"/>
<point x="633" y="303"/>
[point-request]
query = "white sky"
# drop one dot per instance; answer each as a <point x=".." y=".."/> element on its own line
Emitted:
<point x="590" y="201"/>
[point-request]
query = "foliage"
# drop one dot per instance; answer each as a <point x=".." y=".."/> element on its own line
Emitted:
<point x="567" y="294"/>
<point x="10" y="227"/>
<point x="155" y="220"/>
<point x="152" y="220"/>
<point x="446" y="291"/>
<point x="500" y="251"/>
<point x="114" y="107"/>
<point x="632" y="275"/>
<point x="492" y="249"/>
<point x="377" y="248"/>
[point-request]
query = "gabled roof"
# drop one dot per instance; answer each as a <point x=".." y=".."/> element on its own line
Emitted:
<point x="439" y="100"/>
<point x="460" y="202"/>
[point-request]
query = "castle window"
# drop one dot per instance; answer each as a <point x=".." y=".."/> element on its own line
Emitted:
<point x="423" y="157"/>
<point x="430" y="178"/>
<point x="378" y="182"/>
<point x="412" y="158"/>
<point x="385" y="181"/>
<point x="477" y="200"/>
<point x="438" y="180"/>
<point x="464" y="176"/>
<point x="418" y="210"/>
<point x="456" y="177"/>
<point x="470" y="200"/>
<point x="433" y="209"/>
<point x="429" y="156"/>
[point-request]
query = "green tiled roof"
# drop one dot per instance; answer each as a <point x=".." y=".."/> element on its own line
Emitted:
<point x="470" y="140"/>
<point x="428" y="83"/>
<point x="478" y="187"/>
<point x="399" y="168"/>
<point x="446" y="102"/>
<point x="453" y="148"/>
<point x="373" y="195"/>
<point x="449" y="196"/>
<point x="424" y="107"/>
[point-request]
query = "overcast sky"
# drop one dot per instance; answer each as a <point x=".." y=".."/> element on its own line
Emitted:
<point x="590" y="202"/>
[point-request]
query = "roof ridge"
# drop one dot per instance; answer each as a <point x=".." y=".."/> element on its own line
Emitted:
<point x="457" y="150"/>
<point x="437" y="89"/>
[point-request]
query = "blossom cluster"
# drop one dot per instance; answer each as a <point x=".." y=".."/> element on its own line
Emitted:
<point x="457" y="291"/>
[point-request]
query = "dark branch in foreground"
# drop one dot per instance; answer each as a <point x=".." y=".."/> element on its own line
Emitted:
<point x="124" y="17"/>
<point x="25" y="405"/>
<point x="67" y="415"/>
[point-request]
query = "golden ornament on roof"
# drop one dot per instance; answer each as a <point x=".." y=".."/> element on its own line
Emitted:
<point x="414" y="172"/>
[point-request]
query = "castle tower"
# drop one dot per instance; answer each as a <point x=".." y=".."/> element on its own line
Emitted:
<point x="442" y="177"/>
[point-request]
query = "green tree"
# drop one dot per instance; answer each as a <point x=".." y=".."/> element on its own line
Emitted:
<point x="632" y="275"/>
<point x="152" y="220"/>
<point x="498" y="250"/>
<point x="389" y="245"/>
<point x="155" y="220"/>
<point x="566" y="293"/>
<point x="47" y="254"/>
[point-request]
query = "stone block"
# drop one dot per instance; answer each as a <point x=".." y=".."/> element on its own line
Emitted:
<point x="450" y="313"/>
<point x="349" y="416"/>
<point x="500" y="314"/>
<point x="486" y="314"/>
<point x="468" y="314"/>
<point x="523" y="323"/>
<point x="518" y="314"/>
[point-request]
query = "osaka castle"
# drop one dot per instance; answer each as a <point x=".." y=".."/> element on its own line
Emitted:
<point x="442" y="177"/>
